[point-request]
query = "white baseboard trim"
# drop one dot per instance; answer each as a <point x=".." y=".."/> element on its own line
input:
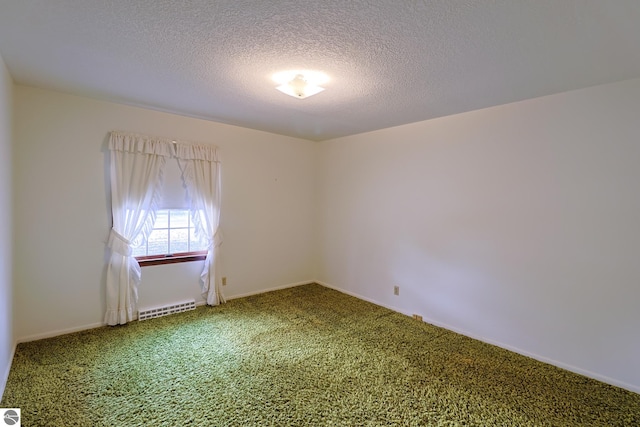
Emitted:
<point x="5" y="374"/>
<point x="543" y="359"/>
<point x="579" y="371"/>
<point x="353" y="294"/>
<point x="586" y="373"/>
<point x="275" y="288"/>
<point x="58" y="332"/>
<point x="55" y="333"/>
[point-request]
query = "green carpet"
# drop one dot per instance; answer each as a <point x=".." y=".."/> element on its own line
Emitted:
<point x="305" y="356"/>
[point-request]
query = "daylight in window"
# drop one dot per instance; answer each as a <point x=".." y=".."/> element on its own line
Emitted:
<point x="173" y="233"/>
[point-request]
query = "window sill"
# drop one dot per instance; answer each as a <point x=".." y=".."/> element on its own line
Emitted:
<point x="146" y="261"/>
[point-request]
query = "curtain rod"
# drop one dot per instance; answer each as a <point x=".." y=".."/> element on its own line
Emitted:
<point x="162" y="139"/>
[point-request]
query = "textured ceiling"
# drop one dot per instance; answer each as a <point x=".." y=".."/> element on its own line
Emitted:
<point x="390" y="62"/>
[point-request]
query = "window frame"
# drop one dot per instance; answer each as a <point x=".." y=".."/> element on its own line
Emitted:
<point x="148" y="260"/>
<point x="176" y="257"/>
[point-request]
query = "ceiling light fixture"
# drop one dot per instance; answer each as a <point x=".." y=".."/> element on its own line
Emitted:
<point x="300" y="84"/>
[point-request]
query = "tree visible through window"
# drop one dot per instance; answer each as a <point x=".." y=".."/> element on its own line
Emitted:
<point x="173" y="234"/>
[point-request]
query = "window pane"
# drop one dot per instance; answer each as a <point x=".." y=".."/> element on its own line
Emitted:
<point x="179" y="218"/>
<point x="196" y="244"/>
<point x="181" y="237"/>
<point x="162" y="219"/>
<point x="158" y="242"/>
<point x="140" y="251"/>
<point x="179" y="242"/>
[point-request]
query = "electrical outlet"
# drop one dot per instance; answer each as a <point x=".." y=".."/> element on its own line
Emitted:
<point x="396" y="290"/>
<point x="224" y="281"/>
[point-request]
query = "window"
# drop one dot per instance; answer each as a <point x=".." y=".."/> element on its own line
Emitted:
<point x="138" y="173"/>
<point x="173" y="239"/>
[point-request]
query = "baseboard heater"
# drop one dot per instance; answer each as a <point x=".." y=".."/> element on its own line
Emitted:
<point x="166" y="310"/>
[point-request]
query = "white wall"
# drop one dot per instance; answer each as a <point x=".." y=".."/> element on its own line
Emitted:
<point x="516" y="224"/>
<point x="6" y="306"/>
<point x="62" y="215"/>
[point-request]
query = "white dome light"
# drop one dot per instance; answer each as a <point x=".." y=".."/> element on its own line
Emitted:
<point x="300" y="83"/>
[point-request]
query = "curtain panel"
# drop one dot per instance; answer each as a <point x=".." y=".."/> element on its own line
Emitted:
<point x="136" y="171"/>
<point x="201" y="175"/>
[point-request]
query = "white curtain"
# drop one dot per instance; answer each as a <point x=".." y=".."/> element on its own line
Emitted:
<point x="137" y="163"/>
<point x="201" y="174"/>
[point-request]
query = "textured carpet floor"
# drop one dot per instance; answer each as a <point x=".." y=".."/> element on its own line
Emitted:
<point x="305" y="356"/>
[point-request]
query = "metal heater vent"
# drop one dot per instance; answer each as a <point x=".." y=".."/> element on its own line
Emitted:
<point x="166" y="310"/>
